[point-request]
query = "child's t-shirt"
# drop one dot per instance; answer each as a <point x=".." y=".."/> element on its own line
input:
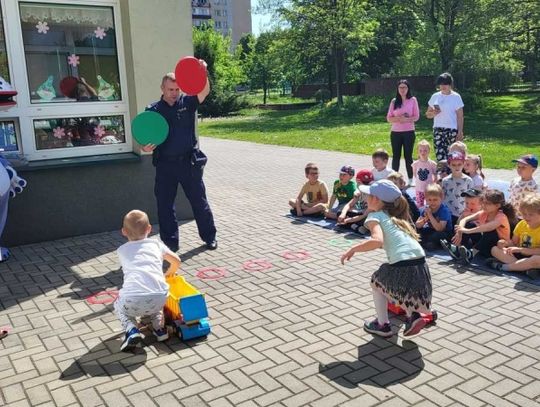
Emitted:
<point x="142" y="264"/>
<point x="398" y="245"/>
<point x="528" y="237"/>
<point x="519" y="188"/>
<point x="478" y="182"/>
<point x="314" y="192"/>
<point x="382" y="174"/>
<point x="452" y="188"/>
<point x="424" y="172"/>
<point x="361" y="202"/>
<point x="503" y="231"/>
<point x="344" y="193"/>
<point x="441" y="214"/>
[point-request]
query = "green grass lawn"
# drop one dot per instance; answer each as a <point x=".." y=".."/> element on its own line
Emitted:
<point x="506" y="127"/>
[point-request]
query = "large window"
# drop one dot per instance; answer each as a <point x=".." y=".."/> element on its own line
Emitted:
<point x="4" y="68"/>
<point x="70" y="52"/>
<point x="66" y="63"/>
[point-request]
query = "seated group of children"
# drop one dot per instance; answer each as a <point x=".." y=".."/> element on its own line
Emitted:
<point x="453" y="206"/>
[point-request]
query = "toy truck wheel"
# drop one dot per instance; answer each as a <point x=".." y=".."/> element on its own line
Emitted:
<point x="434" y="315"/>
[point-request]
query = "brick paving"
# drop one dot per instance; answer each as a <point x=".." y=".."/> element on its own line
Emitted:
<point x="287" y="336"/>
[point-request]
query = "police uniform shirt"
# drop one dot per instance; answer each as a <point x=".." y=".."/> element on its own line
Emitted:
<point x="181" y="120"/>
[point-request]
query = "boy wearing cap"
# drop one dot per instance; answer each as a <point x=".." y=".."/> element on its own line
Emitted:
<point x="473" y="203"/>
<point x="316" y="192"/>
<point x="524" y="183"/>
<point x="343" y="191"/>
<point x="455" y="184"/>
<point x="355" y="211"/>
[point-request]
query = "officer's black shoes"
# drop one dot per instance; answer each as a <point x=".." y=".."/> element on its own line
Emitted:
<point x="212" y="245"/>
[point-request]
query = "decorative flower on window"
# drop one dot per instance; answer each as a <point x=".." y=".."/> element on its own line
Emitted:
<point x="59" y="132"/>
<point x="42" y="27"/>
<point x="99" y="131"/>
<point x="100" y="33"/>
<point x="73" y="60"/>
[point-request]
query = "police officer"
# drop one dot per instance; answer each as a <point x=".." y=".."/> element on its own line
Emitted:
<point x="175" y="164"/>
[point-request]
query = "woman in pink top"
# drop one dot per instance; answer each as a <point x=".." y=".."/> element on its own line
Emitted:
<point x="402" y="113"/>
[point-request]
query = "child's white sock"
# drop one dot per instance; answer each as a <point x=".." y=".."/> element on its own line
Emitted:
<point x="381" y="307"/>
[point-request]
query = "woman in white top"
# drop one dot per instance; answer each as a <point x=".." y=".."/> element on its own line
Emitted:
<point x="446" y="109"/>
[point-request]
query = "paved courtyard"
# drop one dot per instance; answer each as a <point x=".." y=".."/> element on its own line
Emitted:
<point x="290" y="335"/>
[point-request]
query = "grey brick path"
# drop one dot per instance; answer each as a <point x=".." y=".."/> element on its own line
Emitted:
<point x="288" y="336"/>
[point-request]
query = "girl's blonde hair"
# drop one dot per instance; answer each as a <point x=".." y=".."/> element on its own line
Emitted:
<point x="530" y="203"/>
<point x="458" y="146"/>
<point x="477" y="159"/>
<point x="398" y="179"/>
<point x="400" y="215"/>
<point x="423" y="142"/>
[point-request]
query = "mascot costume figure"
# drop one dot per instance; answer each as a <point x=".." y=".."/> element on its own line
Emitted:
<point x="10" y="183"/>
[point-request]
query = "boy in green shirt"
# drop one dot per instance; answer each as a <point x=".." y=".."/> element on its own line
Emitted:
<point x="343" y="191"/>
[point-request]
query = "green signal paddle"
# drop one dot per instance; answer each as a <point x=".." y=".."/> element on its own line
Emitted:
<point x="149" y="128"/>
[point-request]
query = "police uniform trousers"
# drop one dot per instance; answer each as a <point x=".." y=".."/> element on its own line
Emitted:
<point x="171" y="171"/>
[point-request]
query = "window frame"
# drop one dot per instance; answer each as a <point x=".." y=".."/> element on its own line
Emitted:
<point x="26" y="111"/>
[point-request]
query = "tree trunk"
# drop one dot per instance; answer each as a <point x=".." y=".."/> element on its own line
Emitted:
<point x="339" y="74"/>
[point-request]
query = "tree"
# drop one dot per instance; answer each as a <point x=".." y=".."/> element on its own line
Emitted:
<point x="264" y="72"/>
<point x="224" y="71"/>
<point x="327" y="31"/>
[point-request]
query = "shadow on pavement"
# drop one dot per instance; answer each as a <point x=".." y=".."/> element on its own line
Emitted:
<point x="105" y="359"/>
<point x="381" y="362"/>
<point x="527" y="286"/>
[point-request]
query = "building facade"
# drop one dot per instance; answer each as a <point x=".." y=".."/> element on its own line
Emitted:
<point x="230" y="17"/>
<point x="83" y="69"/>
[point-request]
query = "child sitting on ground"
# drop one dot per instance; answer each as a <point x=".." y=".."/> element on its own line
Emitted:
<point x="522" y="253"/>
<point x="344" y="189"/>
<point x="316" y="192"/>
<point x="380" y="168"/>
<point x="355" y="211"/>
<point x="454" y="184"/>
<point x="398" y="179"/>
<point x="425" y="172"/>
<point x="405" y="279"/>
<point x="524" y="183"/>
<point x="435" y="221"/>
<point x="144" y="290"/>
<point x="473" y="203"/>
<point x="473" y="168"/>
<point x="493" y="224"/>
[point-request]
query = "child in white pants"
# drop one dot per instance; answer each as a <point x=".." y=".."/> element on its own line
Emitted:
<point x="144" y="290"/>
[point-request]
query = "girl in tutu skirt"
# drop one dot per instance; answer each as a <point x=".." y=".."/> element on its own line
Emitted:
<point x="405" y="279"/>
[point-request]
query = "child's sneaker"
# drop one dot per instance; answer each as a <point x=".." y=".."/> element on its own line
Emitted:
<point x="375" y="328"/>
<point x="466" y="254"/>
<point x="161" y="334"/>
<point x="452" y="249"/>
<point x="132" y="339"/>
<point x="293" y="212"/>
<point x="533" y="274"/>
<point x="414" y="324"/>
<point x="494" y="264"/>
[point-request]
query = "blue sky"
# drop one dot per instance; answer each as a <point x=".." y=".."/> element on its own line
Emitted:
<point x="258" y="22"/>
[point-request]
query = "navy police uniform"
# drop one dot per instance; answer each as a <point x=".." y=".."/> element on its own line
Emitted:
<point x="175" y="165"/>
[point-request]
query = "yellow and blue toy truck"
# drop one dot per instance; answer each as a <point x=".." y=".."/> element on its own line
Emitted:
<point x="186" y="309"/>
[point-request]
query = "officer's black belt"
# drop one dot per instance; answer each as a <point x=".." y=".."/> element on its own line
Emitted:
<point x="176" y="157"/>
